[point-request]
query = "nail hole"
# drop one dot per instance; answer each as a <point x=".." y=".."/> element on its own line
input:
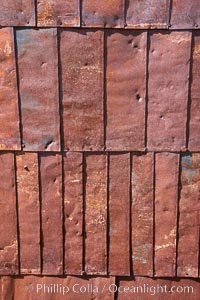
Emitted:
<point x="138" y="98"/>
<point x="26" y="168"/>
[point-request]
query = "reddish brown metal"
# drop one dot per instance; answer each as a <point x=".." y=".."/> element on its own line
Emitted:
<point x="147" y="13"/>
<point x="9" y="117"/>
<point x="73" y="202"/>
<point x="104" y="13"/>
<point x="17" y="13"/>
<point x="119" y="214"/>
<point x="185" y="14"/>
<point x="166" y="199"/>
<point x="82" y="85"/>
<point x="38" y="72"/>
<point x="51" y="197"/>
<point x="194" y="130"/>
<point x="96" y="215"/>
<point x="188" y="242"/>
<point x="168" y="93"/>
<point x="29" y="212"/>
<point x="58" y="13"/>
<point x="8" y="224"/>
<point x="142" y="214"/>
<point x="126" y="90"/>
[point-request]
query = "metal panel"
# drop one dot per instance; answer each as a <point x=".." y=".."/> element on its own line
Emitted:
<point x="38" y="72"/>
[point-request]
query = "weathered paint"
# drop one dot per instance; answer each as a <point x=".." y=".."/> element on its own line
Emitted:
<point x="38" y="74"/>
<point x="29" y="212"/>
<point x="9" y="114"/>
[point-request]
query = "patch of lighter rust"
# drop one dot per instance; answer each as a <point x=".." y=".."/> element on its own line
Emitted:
<point x="75" y="181"/>
<point x="13" y="244"/>
<point x="7" y="50"/>
<point x="164" y="246"/>
<point x="141" y="259"/>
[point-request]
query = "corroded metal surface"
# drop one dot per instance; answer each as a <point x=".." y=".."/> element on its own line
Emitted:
<point x="104" y="13"/>
<point x="142" y="214"/>
<point x="17" y="13"/>
<point x="58" y="13"/>
<point x="126" y="90"/>
<point x="29" y="212"/>
<point x="119" y="214"/>
<point x="147" y="13"/>
<point x="51" y="198"/>
<point x="168" y="93"/>
<point x="166" y="201"/>
<point x="73" y="205"/>
<point x="185" y="14"/>
<point x="194" y="129"/>
<point x="9" y="117"/>
<point x="188" y="242"/>
<point x="38" y="74"/>
<point x="8" y="224"/>
<point x="96" y="215"/>
<point x="82" y="88"/>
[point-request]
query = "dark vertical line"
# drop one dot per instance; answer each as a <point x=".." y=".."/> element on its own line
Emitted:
<point x="154" y="202"/>
<point x="178" y="211"/>
<point x="117" y="284"/>
<point x="17" y="212"/>
<point x="84" y="179"/>
<point x="40" y="211"/>
<point x="108" y="215"/>
<point x="36" y="16"/>
<point x="63" y="209"/>
<point x="105" y="86"/>
<point x="18" y="87"/>
<point x="60" y="91"/>
<point x="147" y="81"/>
<point x="170" y="12"/>
<point x="131" y="201"/>
<point x="80" y="12"/>
<point x="125" y="12"/>
<point x="189" y="93"/>
<point x="199" y="256"/>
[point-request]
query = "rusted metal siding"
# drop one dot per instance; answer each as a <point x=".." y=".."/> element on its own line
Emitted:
<point x="9" y="114"/>
<point x="126" y="90"/>
<point x="73" y="212"/>
<point x="103" y="13"/>
<point x="29" y="212"/>
<point x="168" y="95"/>
<point x="9" y="264"/>
<point x="55" y="13"/>
<point x="82" y="89"/>
<point x="38" y="75"/>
